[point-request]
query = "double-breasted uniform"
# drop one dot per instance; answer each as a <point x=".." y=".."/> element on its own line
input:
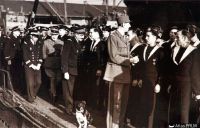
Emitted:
<point x="32" y="54"/>
<point x="118" y="75"/>
<point x="13" y="54"/>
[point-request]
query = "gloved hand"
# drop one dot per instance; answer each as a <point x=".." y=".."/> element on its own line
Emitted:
<point x="9" y="62"/>
<point x="140" y="83"/>
<point x="38" y="67"/>
<point x="66" y="76"/>
<point x="33" y="67"/>
<point x="157" y="88"/>
<point x="134" y="59"/>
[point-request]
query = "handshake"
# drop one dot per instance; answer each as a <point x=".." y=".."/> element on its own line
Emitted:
<point x="134" y="60"/>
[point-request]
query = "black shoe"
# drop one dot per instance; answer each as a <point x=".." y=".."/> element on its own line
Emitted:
<point x="53" y="100"/>
<point x="69" y="112"/>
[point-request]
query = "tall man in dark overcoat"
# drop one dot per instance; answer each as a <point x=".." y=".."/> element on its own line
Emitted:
<point x="13" y="57"/>
<point x="69" y="62"/>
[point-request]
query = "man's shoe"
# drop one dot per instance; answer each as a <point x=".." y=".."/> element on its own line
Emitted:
<point x="69" y="112"/>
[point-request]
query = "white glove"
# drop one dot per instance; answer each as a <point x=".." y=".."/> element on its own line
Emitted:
<point x="197" y="97"/>
<point x="34" y="67"/>
<point x="38" y="67"/>
<point x="9" y="62"/>
<point x="157" y="88"/>
<point x="66" y="76"/>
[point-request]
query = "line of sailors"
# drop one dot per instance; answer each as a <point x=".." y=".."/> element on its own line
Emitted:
<point x="78" y="58"/>
<point x="165" y="85"/>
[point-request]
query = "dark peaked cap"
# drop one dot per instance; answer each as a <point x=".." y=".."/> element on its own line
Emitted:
<point x="54" y="31"/>
<point x="79" y="30"/>
<point x="63" y="27"/>
<point x="34" y="31"/>
<point x="41" y="28"/>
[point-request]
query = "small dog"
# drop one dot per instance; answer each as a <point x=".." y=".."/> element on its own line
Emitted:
<point x="83" y="117"/>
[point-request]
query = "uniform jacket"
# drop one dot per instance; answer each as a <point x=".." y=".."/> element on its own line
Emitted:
<point x="118" y="66"/>
<point x="12" y="47"/>
<point x="137" y="50"/>
<point x="187" y="70"/>
<point x="152" y="65"/>
<point x="69" y="57"/>
<point x="32" y="53"/>
<point x="52" y="53"/>
<point x="63" y="38"/>
<point x="167" y="62"/>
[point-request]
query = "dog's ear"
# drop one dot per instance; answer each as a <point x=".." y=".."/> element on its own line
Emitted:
<point x="84" y="102"/>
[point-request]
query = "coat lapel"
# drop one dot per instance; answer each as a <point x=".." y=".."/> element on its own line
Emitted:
<point x="189" y="49"/>
<point x="144" y="53"/>
<point x="134" y="47"/>
<point x="175" y="51"/>
<point x="153" y="50"/>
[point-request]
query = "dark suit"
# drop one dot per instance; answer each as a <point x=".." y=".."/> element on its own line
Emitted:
<point x="186" y="79"/>
<point x="69" y="62"/>
<point x="32" y="54"/>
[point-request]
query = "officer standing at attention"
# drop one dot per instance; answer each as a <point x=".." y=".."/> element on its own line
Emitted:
<point x="32" y="54"/>
<point x="63" y="33"/>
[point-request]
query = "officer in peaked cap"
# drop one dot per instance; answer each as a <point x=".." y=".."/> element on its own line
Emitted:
<point x="69" y="63"/>
<point x="63" y="33"/>
<point x="118" y="73"/>
<point x="44" y="31"/>
<point x="13" y="57"/>
<point x="32" y="54"/>
<point x="51" y="55"/>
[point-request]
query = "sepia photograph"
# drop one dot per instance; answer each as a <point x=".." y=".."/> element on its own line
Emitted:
<point x="99" y="63"/>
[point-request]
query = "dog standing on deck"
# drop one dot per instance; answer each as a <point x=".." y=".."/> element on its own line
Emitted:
<point x="83" y="117"/>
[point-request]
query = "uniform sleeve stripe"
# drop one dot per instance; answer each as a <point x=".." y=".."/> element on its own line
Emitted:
<point x="27" y="61"/>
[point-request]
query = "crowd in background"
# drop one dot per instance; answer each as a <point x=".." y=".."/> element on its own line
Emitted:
<point x="164" y="74"/>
